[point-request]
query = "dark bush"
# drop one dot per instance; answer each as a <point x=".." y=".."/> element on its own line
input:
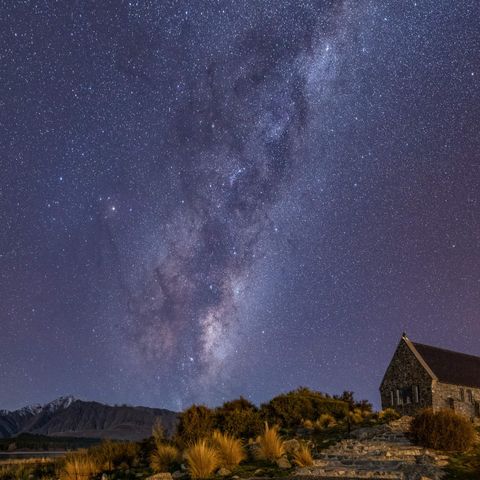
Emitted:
<point x="194" y="423"/>
<point x="443" y="430"/>
<point x="239" y="418"/>
<point x="292" y="408"/>
<point x="348" y="396"/>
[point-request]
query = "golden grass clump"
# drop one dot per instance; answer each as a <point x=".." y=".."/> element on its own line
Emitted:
<point x="79" y="466"/>
<point x="270" y="444"/>
<point x="325" y="420"/>
<point x="443" y="430"/>
<point x="230" y="449"/>
<point x="164" y="457"/>
<point x="202" y="459"/>
<point x="388" y="415"/>
<point x="308" y="424"/>
<point x="356" y="417"/>
<point x="303" y="456"/>
<point x="110" y="455"/>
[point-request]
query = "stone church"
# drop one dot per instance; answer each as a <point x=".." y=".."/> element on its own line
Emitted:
<point x="420" y="376"/>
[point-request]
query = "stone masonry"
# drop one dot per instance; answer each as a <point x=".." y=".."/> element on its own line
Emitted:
<point x="378" y="453"/>
<point x="410" y="384"/>
<point x="405" y="371"/>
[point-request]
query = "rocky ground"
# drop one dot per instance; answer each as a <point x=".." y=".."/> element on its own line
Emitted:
<point x="378" y="453"/>
<point x="383" y="452"/>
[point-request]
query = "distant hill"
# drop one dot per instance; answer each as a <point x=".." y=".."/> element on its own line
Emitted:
<point x="69" y="417"/>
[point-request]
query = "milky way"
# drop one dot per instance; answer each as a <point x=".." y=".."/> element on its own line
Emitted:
<point x="208" y="199"/>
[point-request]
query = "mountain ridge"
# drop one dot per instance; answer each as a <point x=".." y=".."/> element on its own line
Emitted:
<point x="68" y="416"/>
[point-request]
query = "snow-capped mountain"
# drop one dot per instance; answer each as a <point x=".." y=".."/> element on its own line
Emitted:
<point x="68" y="416"/>
<point x="53" y="406"/>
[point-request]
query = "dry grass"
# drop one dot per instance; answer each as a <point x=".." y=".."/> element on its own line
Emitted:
<point x="270" y="444"/>
<point x="388" y="415"/>
<point x="308" y="424"/>
<point x="357" y="416"/>
<point x="26" y="461"/>
<point x="303" y="456"/>
<point x="230" y="449"/>
<point x="324" y="421"/>
<point x="443" y="430"/>
<point x="164" y="457"/>
<point x="79" y="466"/>
<point x="202" y="459"/>
<point x="110" y="455"/>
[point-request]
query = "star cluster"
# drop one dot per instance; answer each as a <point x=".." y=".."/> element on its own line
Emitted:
<point x="206" y="199"/>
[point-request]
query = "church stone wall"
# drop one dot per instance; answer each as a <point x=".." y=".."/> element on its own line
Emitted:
<point x="450" y="396"/>
<point x="405" y="372"/>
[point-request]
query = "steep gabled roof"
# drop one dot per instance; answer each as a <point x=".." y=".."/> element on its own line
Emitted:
<point x="451" y="367"/>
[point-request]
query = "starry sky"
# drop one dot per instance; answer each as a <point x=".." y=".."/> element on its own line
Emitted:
<point x="202" y="199"/>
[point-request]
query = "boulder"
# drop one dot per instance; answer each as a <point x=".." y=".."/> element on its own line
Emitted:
<point x="161" y="476"/>
<point x="178" y="474"/>
<point x="291" y="446"/>
<point x="224" y="472"/>
<point x="283" y="463"/>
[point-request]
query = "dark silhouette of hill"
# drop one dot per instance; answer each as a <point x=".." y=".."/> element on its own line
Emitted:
<point x="69" y="417"/>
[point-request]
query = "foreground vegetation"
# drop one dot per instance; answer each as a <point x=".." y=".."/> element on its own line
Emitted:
<point x="240" y="439"/>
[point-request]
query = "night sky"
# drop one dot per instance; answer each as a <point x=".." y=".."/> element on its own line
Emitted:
<point x="202" y="199"/>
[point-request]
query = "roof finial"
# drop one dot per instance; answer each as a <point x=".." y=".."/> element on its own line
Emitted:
<point x="404" y="335"/>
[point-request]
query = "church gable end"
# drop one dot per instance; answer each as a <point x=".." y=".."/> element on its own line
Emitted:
<point x="407" y="384"/>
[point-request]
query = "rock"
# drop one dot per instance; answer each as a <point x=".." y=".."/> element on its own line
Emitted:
<point x="224" y="472"/>
<point x="304" y="471"/>
<point x="178" y="474"/>
<point x="258" y="471"/>
<point x="283" y="463"/>
<point x="291" y="446"/>
<point x="161" y="476"/>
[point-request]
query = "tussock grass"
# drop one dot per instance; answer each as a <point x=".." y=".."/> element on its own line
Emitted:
<point x="324" y="421"/>
<point x="79" y="466"/>
<point x="270" y="444"/>
<point x="109" y="455"/>
<point x="202" y="459"/>
<point x="303" y="456"/>
<point x="308" y="424"/>
<point x="443" y="430"/>
<point x="388" y="415"/>
<point x="230" y="449"/>
<point x="164" y="457"/>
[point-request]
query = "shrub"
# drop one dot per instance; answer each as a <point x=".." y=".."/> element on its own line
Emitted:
<point x="348" y="397"/>
<point x="230" y="450"/>
<point x="238" y="417"/>
<point x="202" y="459"/>
<point x="356" y="416"/>
<point x="292" y="408"/>
<point x="388" y="415"/>
<point x="324" y="421"/>
<point x="443" y="430"/>
<point x="270" y="444"/>
<point x="110" y="455"/>
<point x="195" y="423"/>
<point x="79" y="466"/>
<point x="164" y="457"/>
<point x="303" y="456"/>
